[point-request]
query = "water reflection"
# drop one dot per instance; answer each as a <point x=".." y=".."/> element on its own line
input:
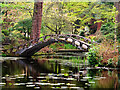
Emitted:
<point x="53" y="74"/>
<point x="108" y="79"/>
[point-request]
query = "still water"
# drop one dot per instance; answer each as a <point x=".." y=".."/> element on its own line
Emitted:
<point x="56" y="73"/>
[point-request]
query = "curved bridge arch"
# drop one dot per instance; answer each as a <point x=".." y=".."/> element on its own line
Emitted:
<point x="29" y="48"/>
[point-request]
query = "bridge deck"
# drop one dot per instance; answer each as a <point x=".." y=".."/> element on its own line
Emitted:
<point x="31" y="47"/>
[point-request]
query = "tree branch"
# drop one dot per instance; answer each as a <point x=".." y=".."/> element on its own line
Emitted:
<point x="50" y="28"/>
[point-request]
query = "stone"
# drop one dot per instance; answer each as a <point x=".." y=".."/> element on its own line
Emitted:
<point x="84" y="46"/>
<point x="77" y="43"/>
<point x="61" y="38"/>
<point x="69" y="40"/>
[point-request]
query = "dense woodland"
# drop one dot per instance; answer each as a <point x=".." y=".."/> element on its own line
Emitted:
<point x="99" y="21"/>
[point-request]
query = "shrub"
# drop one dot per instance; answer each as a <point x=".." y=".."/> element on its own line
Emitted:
<point x="5" y="32"/>
<point x="59" y="45"/>
<point x="110" y="62"/>
<point x="106" y="52"/>
<point x="118" y="61"/>
<point x="110" y="36"/>
<point x="82" y="33"/>
<point x="107" y="28"/>
<point x="93" y="57"/>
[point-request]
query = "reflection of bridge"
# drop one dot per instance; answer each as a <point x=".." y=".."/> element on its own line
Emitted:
<point x="29" y="48"/>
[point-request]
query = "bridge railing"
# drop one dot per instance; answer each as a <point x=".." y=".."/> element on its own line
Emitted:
<point x="80" y="37"/>
<point x="74" y="39"/>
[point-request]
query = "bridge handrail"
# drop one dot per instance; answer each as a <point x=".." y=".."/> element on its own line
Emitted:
<point x="78" y="37"/>
<point x="75" y="40"/>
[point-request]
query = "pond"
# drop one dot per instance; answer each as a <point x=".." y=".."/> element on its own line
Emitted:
<point x="69" y="72"/>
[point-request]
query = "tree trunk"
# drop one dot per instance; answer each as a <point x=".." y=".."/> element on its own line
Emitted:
<point x="37" y="20"/>
<point x="117" y="5"/>
<point x="98" y="26"/>
<point x="56" y="32"/>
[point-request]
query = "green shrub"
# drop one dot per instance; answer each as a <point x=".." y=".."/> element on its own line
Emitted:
<point x="119" y="60"/>
<point x="61" y="45"/>
<point x="82" y="33"/>
<point x="118" y="40"/>
<point x="110" y="36"/>
<point x="3" y="55"/>
<point x="6" y="32"/>
<point x="107" y="28"/>
<point x="69" y="46"/>
<point x="93" y="57"/>
<point x="110" y="62"/>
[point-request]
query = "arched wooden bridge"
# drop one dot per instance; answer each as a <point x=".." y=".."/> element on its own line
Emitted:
<point x="29" y="48"/>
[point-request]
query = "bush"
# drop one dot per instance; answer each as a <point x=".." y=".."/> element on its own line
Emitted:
<point x="69" y="46"/>
<point x="118" y="40"/>
<point x="107" y="28"/>
<point x="110" y="62"/>
<point x="82" y="33"/>
<point x="110" y="36"/>
<point x="93" y="57"/>
<point x="62" y="46"/>
<point x="5" y="32"/>
<point x="104" y="54"/>
<point x="118" y="61"/>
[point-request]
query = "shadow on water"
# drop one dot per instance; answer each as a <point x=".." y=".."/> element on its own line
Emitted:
<point x="51" y="74"/>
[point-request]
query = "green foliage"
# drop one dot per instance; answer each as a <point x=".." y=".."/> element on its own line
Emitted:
<point x="119" y="49"/>
<point x="15" y="18"/>
<point x="55" y="18"/>
<point x="16" y="11"/>
<point x="85" y="11"/>
<point x="110" y="62"/>
<point x="110" y="36"/>
<point x="69" y="46"/>
<point x="41" y="35"/>
<point x="92" y="57"/>
<point x="77" y="60"/>
<point x="13" y="37"/>
<point x="3" y="55"/>
<point x="26" y="23"/>
<point x="9" y="5"/>
<point x="107" y="28"/>
<point x="119" y="60"/>
<point x="25" y="27"/>
<point x="82" y="33"/>
<point x="119" y="40"/>
<point x="10" y="84"/>
<point x="5" y="32"/>
<point x="16" y="34"/>
<point x="3" y="37"/>
<point x="61" y="45"/>
<point x="93" y="72"/>
<point x="55" y="46"/>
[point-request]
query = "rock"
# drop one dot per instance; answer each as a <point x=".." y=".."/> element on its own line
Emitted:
<point x="84" y="46"/>
<point x="61" y="38"/>
<point x="77" y="43"/>
<point x="69" y="40"/>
